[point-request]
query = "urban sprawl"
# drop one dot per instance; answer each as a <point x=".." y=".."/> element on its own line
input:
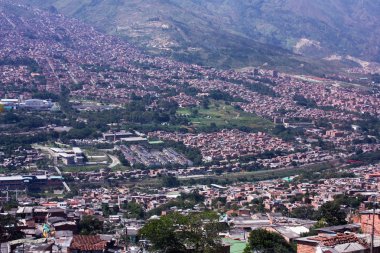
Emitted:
<point x="103" y="146"/>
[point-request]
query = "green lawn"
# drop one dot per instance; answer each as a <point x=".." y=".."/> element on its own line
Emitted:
<point x="236" y="246"/>
<point x="120" y="168"/>
<point x="224" y="116"/>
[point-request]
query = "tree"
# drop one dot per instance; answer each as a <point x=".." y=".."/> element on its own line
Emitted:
<point x="302" y="101"/>
<point x="193" y="196"/>
<point x="332" y="213"/>
<point x="303" y="212"/>
<point x="177" y="233"/>
<point x="263" y="241"/>
<point x="135" y="210"/>
<point x="352" y="202"/>
<point x="258" y="205"/>
<point x="170" y="181"/>
<point x="312" y="231"/>
<point x="9" y="229"/>
<point x="105" y="209"/>
<point x="90" y="225"/>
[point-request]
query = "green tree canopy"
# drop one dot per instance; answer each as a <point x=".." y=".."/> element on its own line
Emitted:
<point x="90" y="225"/>
<point x="176" y="233"/>
<point x="135" y="210"/>
<point x="263" y="241"/>
<point x="170" y="181"/>
<point x="8" y="229"/>
<point x="332" y="213"/>
<point x="304" y="212"/>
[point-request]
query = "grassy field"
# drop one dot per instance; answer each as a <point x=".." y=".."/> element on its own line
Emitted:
<point x="120" y="168"/>
<point x="223" y="115"/>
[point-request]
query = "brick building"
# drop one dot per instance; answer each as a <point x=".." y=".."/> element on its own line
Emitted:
<point x="339" y="243"/>
<point x="366" y="220"/>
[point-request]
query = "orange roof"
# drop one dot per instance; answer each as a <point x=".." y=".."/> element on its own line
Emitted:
<point x="88" y="242"/>
<point x="338" y="239"/>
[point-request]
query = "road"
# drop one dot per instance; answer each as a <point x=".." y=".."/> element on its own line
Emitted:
<point x="63" y="182"/>
<point x="115" y="161"/>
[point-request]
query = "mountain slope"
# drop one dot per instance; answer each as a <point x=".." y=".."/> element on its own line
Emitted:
<point x="236" y="33"/>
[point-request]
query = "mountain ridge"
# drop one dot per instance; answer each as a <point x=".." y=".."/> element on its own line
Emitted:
<point x="233" y="34"/>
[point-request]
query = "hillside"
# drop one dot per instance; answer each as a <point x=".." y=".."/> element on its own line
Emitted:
<point x="236" y="33"/>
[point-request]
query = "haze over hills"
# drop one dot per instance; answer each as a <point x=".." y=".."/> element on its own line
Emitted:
<point x="237" y="33"/>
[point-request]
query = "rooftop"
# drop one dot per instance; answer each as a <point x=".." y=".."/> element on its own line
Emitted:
<point x="88" y="243"/>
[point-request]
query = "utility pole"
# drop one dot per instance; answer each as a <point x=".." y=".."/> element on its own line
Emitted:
<point x="373" y="227"/>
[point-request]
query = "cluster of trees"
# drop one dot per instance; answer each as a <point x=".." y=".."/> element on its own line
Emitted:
<point x="77" y="86"/>
<point x="330" y="213"/>
<point x="24" y="122"/>
<point x="9" y="229"/>
<point x="302" y="101"/>
<point x="11" y="142"/>
<point x="170" y="181"/>
<point x="367" y="158"/>
<point x="263" y="241"/>
<point x="29" y="62"/>
<point x="134" y="210"/>
<point x="122" y="159"/>
<point x="326" y="174"/>
<point x="107" y="210"/>
<point x="369" y="124"/>
<point x="376" y="78"/>
<point x="261" y="89"/>
<point x="176" y="233"/>
<point x="165" y="112"/>
<point x="46" y="96"/>
<point x="221" y="95"/>
<point x="80" y="133"/>
<point x="287" y="134"/>
<point x="258" y="206"/>
<point x="90" y="225"/>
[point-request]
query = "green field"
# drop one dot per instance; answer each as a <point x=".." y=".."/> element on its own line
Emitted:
<point x="223" y="115"/>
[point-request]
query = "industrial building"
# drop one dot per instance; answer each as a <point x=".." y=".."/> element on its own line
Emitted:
<point x="29" y="182"/>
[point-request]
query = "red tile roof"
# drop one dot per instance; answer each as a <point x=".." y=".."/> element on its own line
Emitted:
<point x="338" y="239"/>
<point x="88" y="242"/>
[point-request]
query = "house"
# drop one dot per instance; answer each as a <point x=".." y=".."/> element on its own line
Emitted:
<point x="366" y="220"/>
<point x="88" y="244"/>
<point x="337" y="243"/>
